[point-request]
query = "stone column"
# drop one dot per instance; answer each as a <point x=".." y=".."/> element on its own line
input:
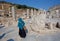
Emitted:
<point x="13" y="13"/>
<point x="51" y="26"/>
<point x="35" y="12"/>
<point x="38" y="12"/>
<point x="27" y="13"/>
<point x="2" y="9"/>
<point x="57" y="12"/>
<point x="44" y="11"/>
<point x="9" y="11"/>
<point x="31" y="12"/>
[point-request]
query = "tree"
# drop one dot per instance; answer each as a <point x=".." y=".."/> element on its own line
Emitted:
<point x="2" y="0"/>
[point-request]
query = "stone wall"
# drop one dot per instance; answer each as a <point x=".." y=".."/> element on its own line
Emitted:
<point x="53" y="16"/>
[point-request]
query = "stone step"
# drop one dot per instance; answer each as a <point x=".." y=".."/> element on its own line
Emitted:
<point x="6" y="30"/>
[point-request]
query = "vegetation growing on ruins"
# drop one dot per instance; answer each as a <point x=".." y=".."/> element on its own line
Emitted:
<point x="19" y="6"/>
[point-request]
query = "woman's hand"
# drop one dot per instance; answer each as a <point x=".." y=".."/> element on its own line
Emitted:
<point x="25" y="28"/>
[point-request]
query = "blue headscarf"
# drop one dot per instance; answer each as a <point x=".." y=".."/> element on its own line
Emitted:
<point x="21" y="23"/>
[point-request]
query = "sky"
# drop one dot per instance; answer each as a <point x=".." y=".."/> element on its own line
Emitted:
<point x="40" y="4"/>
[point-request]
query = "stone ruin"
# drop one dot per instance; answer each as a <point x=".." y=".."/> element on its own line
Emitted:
<point x="35" y="22"/>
